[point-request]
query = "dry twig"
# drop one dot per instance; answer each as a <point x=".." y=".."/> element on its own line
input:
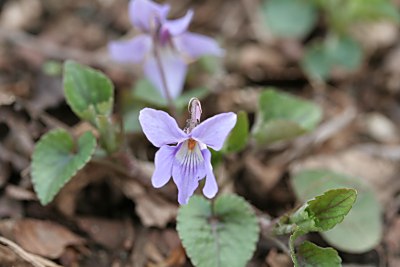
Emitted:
<point x="33" y="259"/>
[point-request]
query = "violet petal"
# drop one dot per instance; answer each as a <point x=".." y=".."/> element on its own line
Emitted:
<point x="130" y="51"/>
<point x="174" y="72"/>
<point x="178" y="26"/>
<point x="214" y="130"/>
<point x="188" y="168"/>
<point x="163" y="166"/>
<point x="196" y="45"/>
<point x="160" y="128"/>
<point x="210" y="188"/>
<point x="144" y="14"/>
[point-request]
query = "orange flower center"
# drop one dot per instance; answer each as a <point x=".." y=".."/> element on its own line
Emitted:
<point x="191" y="144"/>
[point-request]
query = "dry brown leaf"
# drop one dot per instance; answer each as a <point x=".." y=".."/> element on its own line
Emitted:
<point x="275" y="259"/>
<point x="256" y="61"/>
<point x="112" y="234"/>
<point x="176" y="258"/>
<point x="47" y="93"/>
<point x="392" y="239"/>
<point x="152" y="209"/>
<point x="6" y="97"/>
<point x="380" y="127"/>
<point x="66" y="198"/>
<point x="4" y="173"/>
<point x="10" y="208"/>
<point x="376" y="35"/>
<point x="44" y="238"/>
<point x="19" y="193"/>
<point x="381" y="174"/>
<point x="261" y="178"/>
<point x="238" y="100"/>
<point x="9" y="258"/>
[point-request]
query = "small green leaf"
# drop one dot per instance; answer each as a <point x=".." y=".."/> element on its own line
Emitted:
<point x="144" y="91"/>
<point x="52" y="68"/>
<point x="357" y="11"/>
<point x="329" y="209"/>
<point x="224" y="234"/>
<point x="372" y="10"/>
<point x="361" y="230"/>
<point x="336" y="51"/>
<point x="289" y="18"/>
<point x="325" y="211"/>
<point x="311" y="255"/>
<point x="237" y="139"/>
<point x="282" y="116"/>
<point x="56" y="159"/>
<point x="344" y="52"/>
<point x="88" y="92"/>
<point x="316" y="62"/>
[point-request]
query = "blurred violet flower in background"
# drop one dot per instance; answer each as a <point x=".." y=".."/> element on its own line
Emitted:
<point x="164" y="46"/>
<point x="184" y="154"/>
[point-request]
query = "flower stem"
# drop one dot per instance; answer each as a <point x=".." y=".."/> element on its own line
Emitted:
<point x="170" y="101"/>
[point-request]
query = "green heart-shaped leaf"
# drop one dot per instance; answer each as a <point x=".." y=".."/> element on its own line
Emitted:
<point x="88" y="92"/>
<point x="56" y="159"/>
<point x="289" y="18"/>
<point x="282" y="116"/>
<point x="337" y="51"/>
<point x="219" y="235"/>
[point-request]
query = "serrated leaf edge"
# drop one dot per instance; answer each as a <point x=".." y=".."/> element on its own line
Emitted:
<point x="317" y="198"/>
<point x="96" y="73"/>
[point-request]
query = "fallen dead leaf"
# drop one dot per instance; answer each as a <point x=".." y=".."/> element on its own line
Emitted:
<point x="391" y="70"/>
<point x="44" y="238"/>
<point x="47" y="93"/>
<point x="6" y="97"/>
<point x="66" y="198"/>
<point x="392" y="240"/>
<point x="380" y="127"/>
<point x="255" y="61"/>
<point x="376" y="35"/>
<point x="261" y="178"/>
<point x="4" y="173"/>
<point x="112" y="234"/>
<point x="19" y="193"/>
<point x="276" y="259"/>
<point x="176" y="258"/>
<point x="238" y="100"/>
<point x="10" y="208"/>
<point x="32" y="259"/>
<point x="152" y="209"/>
<point x="9" y="258"/>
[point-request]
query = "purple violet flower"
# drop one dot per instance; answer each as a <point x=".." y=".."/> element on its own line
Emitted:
<point x="164" y="46"/>
<point x="184" y="154"/>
